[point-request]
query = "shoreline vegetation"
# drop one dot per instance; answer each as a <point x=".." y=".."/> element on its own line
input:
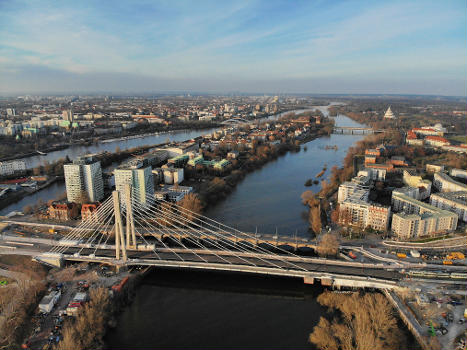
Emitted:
<point x="88" y="329"/>
<point x="359" y="321"/>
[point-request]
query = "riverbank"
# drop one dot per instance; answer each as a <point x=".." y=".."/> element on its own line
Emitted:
<point x="19" y="195"/>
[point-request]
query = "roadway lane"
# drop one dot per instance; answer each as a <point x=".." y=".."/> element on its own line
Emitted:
<point x="252" y="261"/>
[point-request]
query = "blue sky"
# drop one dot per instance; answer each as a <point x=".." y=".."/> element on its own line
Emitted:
<point x="221" y="46"/>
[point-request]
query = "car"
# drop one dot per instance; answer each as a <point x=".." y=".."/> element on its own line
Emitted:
<point x="443" y="330"/>
<point x="461" y="321"/>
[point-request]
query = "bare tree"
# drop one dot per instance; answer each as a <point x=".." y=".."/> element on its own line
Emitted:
<point x="193" y="204"/>
<point x="364" y="323"/>
<point x="314" y="218"/>
<point x="328" y="245"/>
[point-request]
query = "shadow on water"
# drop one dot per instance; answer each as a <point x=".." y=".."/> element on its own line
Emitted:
<point x="188" y="309"/>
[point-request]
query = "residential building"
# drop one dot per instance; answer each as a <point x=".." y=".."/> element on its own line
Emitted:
<point x="222" y="164"/>
<point x="410" y="178"/>
<point x="348" y="188"/>
<point x="451" y="201"/>
<point x="412" y="192"/>
<point x="12" y="167"/>
<point x="427" y="131"/>
<point x="357" y="212"/>
<point x="233" y="154"/>
<point x="434" y="168"/>
<point x="89" y="212"/>
<point x="373" y="173"/>
<point x="83" y="180"/>
<point x="196" y="160"/>
<point x="444" y="183"/>
<point x="177" y="193"/>
<point x="62" y="211"/>
<point x="67" y="115"/>
<point x="179" y="161"/>
<point x="458" y="149"/>
<point x="137" y="174"/>
<point x="460" y="173"/>
<point x="436" y="141"/>
<point x="373" y="152"/>
<point x="406" y="226"/>
<point x="415" y="218"/>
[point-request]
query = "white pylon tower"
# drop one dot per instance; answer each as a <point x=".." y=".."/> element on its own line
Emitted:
<point x="130" y="223"/>
<point x="119" y="237"/>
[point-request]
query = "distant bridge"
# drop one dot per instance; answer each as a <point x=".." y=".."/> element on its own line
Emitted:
<point x="235" y="121"/>
<point x="355" y="130"/>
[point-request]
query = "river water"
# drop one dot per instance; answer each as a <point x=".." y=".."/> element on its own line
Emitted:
<point x="269" y="198"/>
<point x="186" y="309"/>
<point x="194" y="310"/>
<point x="57" y="189"/>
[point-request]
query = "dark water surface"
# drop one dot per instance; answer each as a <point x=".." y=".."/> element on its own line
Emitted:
<point x="194" y="310"/>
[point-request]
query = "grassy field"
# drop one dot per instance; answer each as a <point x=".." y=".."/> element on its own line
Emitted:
<point x="459" y="138"/>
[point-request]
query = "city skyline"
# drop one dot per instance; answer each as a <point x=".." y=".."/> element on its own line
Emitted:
<point x="320" y="47"/>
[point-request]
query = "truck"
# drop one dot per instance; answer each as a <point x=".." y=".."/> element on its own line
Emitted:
<point x="447" y="262"/>
<point x="48" y="302"/>
<point x="401" y="255"/>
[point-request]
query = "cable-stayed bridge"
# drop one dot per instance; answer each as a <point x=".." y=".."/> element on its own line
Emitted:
<point x="126" y="231"/>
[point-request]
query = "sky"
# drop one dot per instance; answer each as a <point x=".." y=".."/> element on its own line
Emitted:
<point x="270" y="46"/>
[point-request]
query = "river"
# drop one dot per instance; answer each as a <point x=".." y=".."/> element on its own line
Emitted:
<point x="77" y="150"/>
<point x="269" y="198"/>
<point x="195" y="310"/>
<point x="182" y="309"/>
<point x="57" y="189"/>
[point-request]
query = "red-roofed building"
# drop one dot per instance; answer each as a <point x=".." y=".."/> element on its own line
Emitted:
<point x="88" y="211"/>
<point x="63" y="211"/>
<point x="436" y="141"/>
<point x="373" y="152"/>
<point x="387" y="167"/>
<point x="427" y="131"/>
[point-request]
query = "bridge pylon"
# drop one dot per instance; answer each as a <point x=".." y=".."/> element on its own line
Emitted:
<point x="130" y="223"/>
<point x="119" y="237"/>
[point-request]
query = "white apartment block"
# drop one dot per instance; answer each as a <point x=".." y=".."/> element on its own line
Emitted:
<point x="444" y="183"/>
<point x="460" y="173"/>
<point x="84" y="177"/>
<point x="11" y="167"/>
<point x="434" y="168"/>
<point x="407" y="226"/>
<point x="416" y="218"/>
<point x="373" y="173"/>
<point x="358" y="184"/>
<point x="411" y="179"/>
<point x="356" y="212"/>
<point x="137" y="174"/>
<point x="452" y="201"/>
